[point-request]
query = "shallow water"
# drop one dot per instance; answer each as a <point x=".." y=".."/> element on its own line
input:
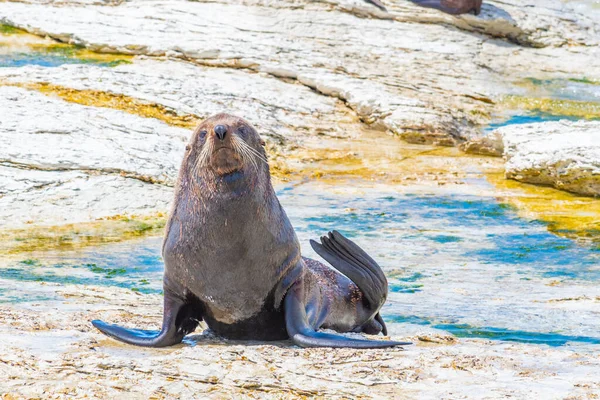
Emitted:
<point x="19" y="49"/>
<point x="456" y="262"/>
<point x="541" y="100"/>
<point x="48" y="59"/>
<point x="526" y="118"/>
<point x="136" y="265"/>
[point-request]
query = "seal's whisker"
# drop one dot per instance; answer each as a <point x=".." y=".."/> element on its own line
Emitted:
<point x="203" y="157"/>
<point x="244" y="151"/>
<point x="254" y="152"/>
<point x="251" y="156"/>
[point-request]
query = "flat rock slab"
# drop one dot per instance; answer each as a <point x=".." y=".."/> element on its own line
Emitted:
<point x="387" y="72"/>
<point x="50" y="349"/>
<point x="429" y="83"/>
<point x="285" y="112"/>
<point x="535" y="23"/>
<point x="63" y="162"/>
<point x="562" y="154"/>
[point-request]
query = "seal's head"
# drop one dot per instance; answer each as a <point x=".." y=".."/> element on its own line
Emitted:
<point x="225" y="145"/>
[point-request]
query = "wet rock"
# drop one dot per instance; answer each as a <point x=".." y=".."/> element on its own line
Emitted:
<point x="562" y="154"/>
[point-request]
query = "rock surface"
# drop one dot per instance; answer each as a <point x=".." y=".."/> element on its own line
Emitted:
<point x="64" y="163"/>
<point x="406" y="71"/>
<point x="562" y="154"/>
<point x="57" y="345"/>
<point x="426" y="82"/>
<point x="283" y="112"/>
<point x="489" y="145"/>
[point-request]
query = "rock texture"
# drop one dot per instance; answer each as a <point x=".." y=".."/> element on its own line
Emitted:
<point x="63" y="162"/>
<point x="489" y="145"/>
<point x="301" y="72"/>
<point x="562" y="154"/>
<point x="427" y="82"/>
<point x="68" y="358"/>
<point x="283" y="112"/>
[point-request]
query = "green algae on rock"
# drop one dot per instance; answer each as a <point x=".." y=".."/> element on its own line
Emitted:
<point x="558" y="107"/>
<point x="72" y="236"/>
<point x="8" y="29"/>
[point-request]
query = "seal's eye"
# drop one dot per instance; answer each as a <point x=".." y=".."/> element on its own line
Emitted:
<point x="242" y="131"/>
<point x="202" y="134"/>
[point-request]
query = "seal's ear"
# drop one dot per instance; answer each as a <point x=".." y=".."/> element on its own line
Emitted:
<point x="262" y="142"/>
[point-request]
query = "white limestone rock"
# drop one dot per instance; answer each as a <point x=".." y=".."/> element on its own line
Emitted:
<point x="278" y="109"/>
<point x="66" y="197"/>
<point x="388" y="72"/>
<point x="62" y="162"/>
<point x="427" y="82"/>
<point x="40" y="132"/>
<point x="488" y="145"/>
<point x="562" y="154"/>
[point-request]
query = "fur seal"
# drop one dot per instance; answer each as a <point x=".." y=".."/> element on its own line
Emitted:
<point x="454" y="7"/>
<point x="233" y="259"/>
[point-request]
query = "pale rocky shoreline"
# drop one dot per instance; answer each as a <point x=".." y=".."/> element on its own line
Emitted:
<point x="92" y="152"/>
<point x="564" y="154"/>
<point x="57" y="345"/>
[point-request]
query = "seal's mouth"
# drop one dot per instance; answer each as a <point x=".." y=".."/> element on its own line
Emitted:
<point x="225" y="160"/>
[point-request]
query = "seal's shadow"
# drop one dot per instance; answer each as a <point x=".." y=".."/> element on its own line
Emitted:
<point x="208" y="338"/>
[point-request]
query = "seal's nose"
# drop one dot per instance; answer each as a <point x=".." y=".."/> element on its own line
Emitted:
<point x="220" y="131"/>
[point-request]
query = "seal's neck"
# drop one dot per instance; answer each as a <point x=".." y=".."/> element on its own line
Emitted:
<point x="236" y="186"/>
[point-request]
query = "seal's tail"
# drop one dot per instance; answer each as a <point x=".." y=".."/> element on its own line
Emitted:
<point x="352" y="261"/>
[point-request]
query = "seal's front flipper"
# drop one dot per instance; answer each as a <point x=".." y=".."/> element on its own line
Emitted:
<point x="179" y="319"/>
<point x="304" y="335"/>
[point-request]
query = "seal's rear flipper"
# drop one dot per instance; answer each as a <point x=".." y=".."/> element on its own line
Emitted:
<point x="352" y="261"/>
<point x="304" y="335"/>
<point x="382" y="323"/>
<point x="178" y="321"/>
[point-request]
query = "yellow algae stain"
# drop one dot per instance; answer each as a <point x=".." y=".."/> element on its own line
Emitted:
<point x="566" y="214"/>
<point x="373" y="156"/>
<point x="121" y="102"/>
<point x="567" y="108"/>
<point x="74" y="236"/>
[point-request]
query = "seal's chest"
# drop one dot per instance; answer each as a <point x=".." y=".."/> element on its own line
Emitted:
<point x="235" y="291"/>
